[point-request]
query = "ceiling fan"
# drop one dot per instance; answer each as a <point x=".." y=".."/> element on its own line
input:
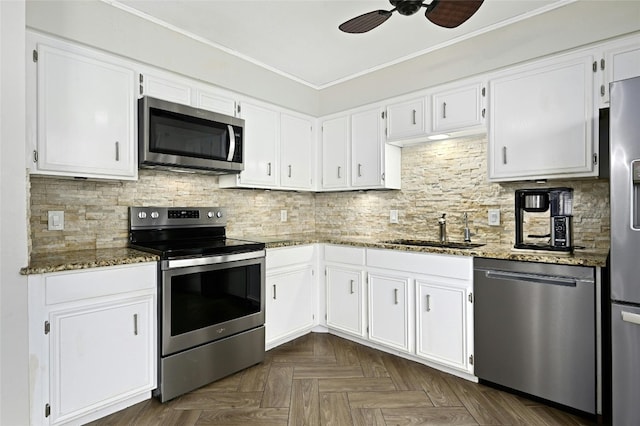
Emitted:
<point x="445" y="13"/>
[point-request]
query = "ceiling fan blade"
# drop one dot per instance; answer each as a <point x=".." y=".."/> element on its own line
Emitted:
<point x="451" y="13"/>
<point x="365" y="22"/>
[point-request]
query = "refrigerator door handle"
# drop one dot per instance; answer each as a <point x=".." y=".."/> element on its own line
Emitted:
<point x="630" y="317"/>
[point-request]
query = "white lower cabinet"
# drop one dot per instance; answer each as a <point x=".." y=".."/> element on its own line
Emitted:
<point x="389" y="310"/>
<point x="345" y="299"/>
<point x="92" y="342"/>
<point x="290" y="288"/>
<point x="441" y="323"/>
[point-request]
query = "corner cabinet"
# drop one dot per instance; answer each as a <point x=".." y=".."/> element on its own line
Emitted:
<point x="406" y="119"/>
<point x="542" y="120"/>
<point x="92" y="341"/>
<point x="81" y="112"/>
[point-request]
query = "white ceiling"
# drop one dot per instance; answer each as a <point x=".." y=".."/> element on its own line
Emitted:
<point x="300" y="38"/>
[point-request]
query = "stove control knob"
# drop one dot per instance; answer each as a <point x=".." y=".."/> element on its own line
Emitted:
<point x="155" y="215"/>
<point x="142" y="215"/>
<point x="209" y="215"/>
<point x="218" y="214"/>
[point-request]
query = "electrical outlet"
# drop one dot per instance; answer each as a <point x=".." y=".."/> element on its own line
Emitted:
<point x="55" y="220"/>
<point x="393" y="216"/>
<point x="494" y="217"/>
<point x="283" y="215"/>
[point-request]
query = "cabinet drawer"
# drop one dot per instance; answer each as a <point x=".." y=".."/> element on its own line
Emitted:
<point x="287" y="256"/>
<point x="89" y="283"/>
<point x="342" y="254"/>
<point x="460" y="267"/>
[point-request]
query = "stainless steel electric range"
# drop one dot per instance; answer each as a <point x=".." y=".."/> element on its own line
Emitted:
<point x="211" y="307"/>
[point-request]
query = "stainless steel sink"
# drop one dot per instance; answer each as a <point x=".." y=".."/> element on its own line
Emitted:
<point x="426" y="243"/>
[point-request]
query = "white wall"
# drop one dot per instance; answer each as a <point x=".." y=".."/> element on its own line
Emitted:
<point x="14" y="356"/>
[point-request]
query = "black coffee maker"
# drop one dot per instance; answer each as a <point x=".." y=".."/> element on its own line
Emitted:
<point x="559" y="203"/>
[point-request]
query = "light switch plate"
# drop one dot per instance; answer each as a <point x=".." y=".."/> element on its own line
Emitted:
<point x="283" y="215"/>
<point x="393" y="216"/>
<point x="55" y="220"/>
<point x="494" y="217"/>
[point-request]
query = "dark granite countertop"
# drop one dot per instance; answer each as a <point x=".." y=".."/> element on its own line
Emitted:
<point x="83" y="259"/>
<point x="494" y="251"/>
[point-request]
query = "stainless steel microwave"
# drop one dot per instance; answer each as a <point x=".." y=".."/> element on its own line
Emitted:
<point x="175" y="136"/>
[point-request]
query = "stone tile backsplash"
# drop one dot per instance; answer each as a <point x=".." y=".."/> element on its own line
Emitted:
<point x="437" y="177"/>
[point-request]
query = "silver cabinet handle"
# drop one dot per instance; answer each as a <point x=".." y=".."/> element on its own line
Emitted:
<point x="117" y="151"/>
<point x="339" y="172"/>
<point x="289" y="170"/>
<point x="444" y="110"/>
<point x="135" y="324"/>
<point x="274" y="292"/>
<point x="414" y="116"/>
<point x="351" y="284"/>
<point x="428" y="303"/>
<point x="359" y="170"/>
<point x="395" y="295"/>
<point x="504" y="155"/>
<point x="268" y="169"/>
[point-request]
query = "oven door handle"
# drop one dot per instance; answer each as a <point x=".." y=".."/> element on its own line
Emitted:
<point x="212" y="260"/>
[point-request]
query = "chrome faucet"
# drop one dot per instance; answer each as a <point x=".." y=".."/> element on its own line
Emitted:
<point x="442" y="222"/>
<point x="467" y="231"/>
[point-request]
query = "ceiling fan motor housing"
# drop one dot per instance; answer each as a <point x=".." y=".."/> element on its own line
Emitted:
<point x="406" y="7"/>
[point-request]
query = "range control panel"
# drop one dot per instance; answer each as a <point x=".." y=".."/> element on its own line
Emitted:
<point x="168" y="217"/>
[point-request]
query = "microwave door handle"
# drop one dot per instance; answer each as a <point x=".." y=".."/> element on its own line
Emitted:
<point x="232" y="143"/>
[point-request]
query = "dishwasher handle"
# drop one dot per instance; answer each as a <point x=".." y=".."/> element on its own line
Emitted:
<point x="533" y="278"/>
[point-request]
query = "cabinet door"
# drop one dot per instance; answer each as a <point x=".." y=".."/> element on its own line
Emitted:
<point x="344" y="299"/>
<point x="620" y="63"/>
<point x="261" y="136"/>
<point x="406" y="119"/>
<point x="389" y="311"/>
<point x="289" y="307"/>
<point x="366" y="145"/>
<point x="541" y="121"/>
<point x="441" y="322"/>
<point x="166" y="88"/>
<point x="457" y="108"/>
<point x="215" y="102"/>
<point x="335" y="153"/>
<point x="85" y="115"/>
<point x="98" y="354"/>
<point x="296" y="152"/>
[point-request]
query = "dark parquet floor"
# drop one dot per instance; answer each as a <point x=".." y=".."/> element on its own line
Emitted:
<point x="321" y="379"/>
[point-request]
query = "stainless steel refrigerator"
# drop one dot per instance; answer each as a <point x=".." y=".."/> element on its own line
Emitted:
<point x="625" y="251"/>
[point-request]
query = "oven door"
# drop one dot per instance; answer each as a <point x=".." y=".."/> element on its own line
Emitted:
<point x="206" y="299"/>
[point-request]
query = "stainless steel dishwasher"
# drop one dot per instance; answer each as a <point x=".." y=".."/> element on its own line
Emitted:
<point x="535" y="329"/>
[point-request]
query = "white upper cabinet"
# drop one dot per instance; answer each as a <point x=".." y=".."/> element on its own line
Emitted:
<point x="541" y="120"/>
<point x="620" y="60"/>
<point x="165" y="86"/>
<point x="335" y="153"/>
<point x="81" y="112"/>
<point x="374" y="164"/>
<point x="278" y="149"/>
<point x="458" y="108"/>
<point x="261" y="137"/>
<point x="406" y="119"/>
<point x="296" y="152"/>
<point x="174" y="88"/>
